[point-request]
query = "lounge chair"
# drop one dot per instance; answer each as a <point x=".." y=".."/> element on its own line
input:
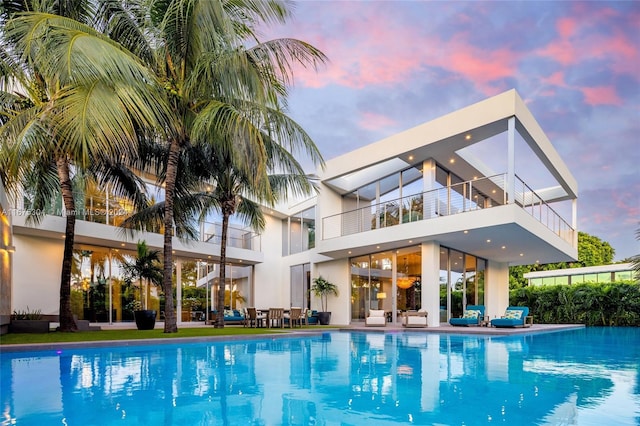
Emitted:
<point x="473" y="314"/>
<point x="376" y="318"/>
<point x="415" y="319"/>
<point x="514" y="316"/>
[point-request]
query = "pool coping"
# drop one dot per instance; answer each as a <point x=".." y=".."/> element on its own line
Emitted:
<point x="443" y="329"/>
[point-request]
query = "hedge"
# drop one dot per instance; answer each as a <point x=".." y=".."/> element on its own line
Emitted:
<point x="602" y="304"/>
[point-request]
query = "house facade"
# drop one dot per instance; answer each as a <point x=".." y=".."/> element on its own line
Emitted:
<point x="430" y="218"/>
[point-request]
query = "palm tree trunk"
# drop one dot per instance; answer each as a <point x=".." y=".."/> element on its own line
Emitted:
<point x="223" y="270"/>
<point x="170" y="320"/>
<point x="67" y="323"/>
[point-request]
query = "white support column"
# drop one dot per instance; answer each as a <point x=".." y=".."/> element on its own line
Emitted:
<point x="431" y="281"/>
<point x="428" y="183"/>
<point x="511" y="160"/>
<point x="496" y="289"/>
<point x="574" y="221"/>
<point x="179" y="290"/>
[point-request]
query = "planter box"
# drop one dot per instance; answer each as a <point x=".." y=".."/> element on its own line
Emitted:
<point x="29" y="326"/>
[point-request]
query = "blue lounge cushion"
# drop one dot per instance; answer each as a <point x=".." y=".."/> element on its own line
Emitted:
<point x="514" y="316"/>
<point x="471" y="316"/>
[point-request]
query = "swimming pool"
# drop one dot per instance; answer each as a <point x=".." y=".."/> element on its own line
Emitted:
<point x="582" y="377"/>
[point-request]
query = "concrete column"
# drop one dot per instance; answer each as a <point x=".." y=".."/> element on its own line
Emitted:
<point x="428" y="183"/>
<point x="511" y="160"/>
<point x="431" y="281"/>
<point x="496" y="294"/>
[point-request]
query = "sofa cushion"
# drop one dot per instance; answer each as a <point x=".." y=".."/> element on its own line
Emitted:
<point x="376" y="313"/>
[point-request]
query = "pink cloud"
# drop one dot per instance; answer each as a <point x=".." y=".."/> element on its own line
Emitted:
<point x="373" y="121"/>
<point x="602" y="95"/>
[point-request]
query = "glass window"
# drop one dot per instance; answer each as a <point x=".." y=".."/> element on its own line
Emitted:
<point x="623" y="276"/>
<point x="409" y="279"/>
<point x="300" y="285"/>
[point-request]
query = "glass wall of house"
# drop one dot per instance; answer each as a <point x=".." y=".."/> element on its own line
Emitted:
<point x="238" y="289"/>
<point x="103" y="291"/>
<point x="372" y="282"/>
<point x="300" y="285"/>
<point x="299" y="232"/>
<point x="409" y="279"/>
<point x="461" y="282"/>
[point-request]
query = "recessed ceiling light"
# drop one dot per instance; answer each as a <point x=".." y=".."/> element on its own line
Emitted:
<point x="452" y="160"/>
<point x="467" y="137"/>
<point x="521" y="254"/>
<point x="122" y="244"/>
<point x="410" y="241"/>
<point x="488" y="241"/>
<point x="411" y="158"/>
<point x="504" y="247"/>
<point x="377" y="247"/>
<point x="465" y="231"/>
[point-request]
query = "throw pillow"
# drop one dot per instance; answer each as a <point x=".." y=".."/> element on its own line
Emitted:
<point x="513" y="314"/>
<point x="471" y="313"/>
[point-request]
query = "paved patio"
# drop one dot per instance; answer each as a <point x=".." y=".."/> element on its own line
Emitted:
<point x="390" y="327"/>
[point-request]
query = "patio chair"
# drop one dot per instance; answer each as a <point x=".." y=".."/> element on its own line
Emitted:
<point x="275" y="316"/>
<point x="473" y="315"/>
<point x="415" y="318"/>
<point x="514" y="316"/>
<point x="294" y="317"/>
<point x="254" y="319"/>
<point x="376" y="318"/>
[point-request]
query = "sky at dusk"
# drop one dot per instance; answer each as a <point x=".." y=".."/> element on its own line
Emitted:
<point x="397" y="64"/>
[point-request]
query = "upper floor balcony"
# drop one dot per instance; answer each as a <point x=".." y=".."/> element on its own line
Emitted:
<point x="431" y="206"/>
<point x="96" y="207"/>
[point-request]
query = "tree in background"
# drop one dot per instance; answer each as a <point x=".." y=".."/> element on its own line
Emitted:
<point x="592" y="251"/>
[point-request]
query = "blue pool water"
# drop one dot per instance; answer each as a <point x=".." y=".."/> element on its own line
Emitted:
<point x="581" y="377"/>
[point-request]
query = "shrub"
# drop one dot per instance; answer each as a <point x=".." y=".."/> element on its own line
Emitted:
<point x="602" y="304"/>
<point x="27" y="314"/>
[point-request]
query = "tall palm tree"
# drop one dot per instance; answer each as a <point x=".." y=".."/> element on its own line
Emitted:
<point x="57" y="124"/>
<point x="235" y="192"/>
<point x="208" y="76"/>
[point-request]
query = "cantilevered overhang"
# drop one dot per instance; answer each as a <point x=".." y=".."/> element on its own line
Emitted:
<point x="504" y="234"/>
<point x="89" y="233"/>
<point x="440" y="139"/>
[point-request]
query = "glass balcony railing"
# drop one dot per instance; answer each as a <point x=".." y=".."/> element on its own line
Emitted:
<point x="458" y="198"/>
<point x="114" y="211"/>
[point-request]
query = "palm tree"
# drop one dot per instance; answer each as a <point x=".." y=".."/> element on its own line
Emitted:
<point x="234" y="191"/>
<point x="57" y="125"/>
<point x="145" y="267"/>
<point x="218" y="91"/>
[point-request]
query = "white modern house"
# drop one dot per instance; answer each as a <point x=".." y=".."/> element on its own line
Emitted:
<point x="430" y="218"/>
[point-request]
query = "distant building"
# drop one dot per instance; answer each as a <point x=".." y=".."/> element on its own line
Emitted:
<point x="589" y="274"/>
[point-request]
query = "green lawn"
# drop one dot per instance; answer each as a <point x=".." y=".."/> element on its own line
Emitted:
<point x="91" y="336"/>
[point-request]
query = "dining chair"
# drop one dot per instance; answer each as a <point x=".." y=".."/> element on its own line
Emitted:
<point x="295" y="317"/>
<point x="275" y="316"/>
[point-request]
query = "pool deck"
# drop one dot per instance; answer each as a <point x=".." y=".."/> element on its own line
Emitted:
<point x="287" y="332"/>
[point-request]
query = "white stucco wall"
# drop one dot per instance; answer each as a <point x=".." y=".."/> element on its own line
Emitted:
<point x="337" y="272"/>
<point x="269" y="290"/>
<point x="38" y="265"/>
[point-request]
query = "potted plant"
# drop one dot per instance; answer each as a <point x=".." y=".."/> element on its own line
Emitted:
<point x="147" y="268"/>
<point x="28" y="322"/>
<point x="322" y="289"/>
